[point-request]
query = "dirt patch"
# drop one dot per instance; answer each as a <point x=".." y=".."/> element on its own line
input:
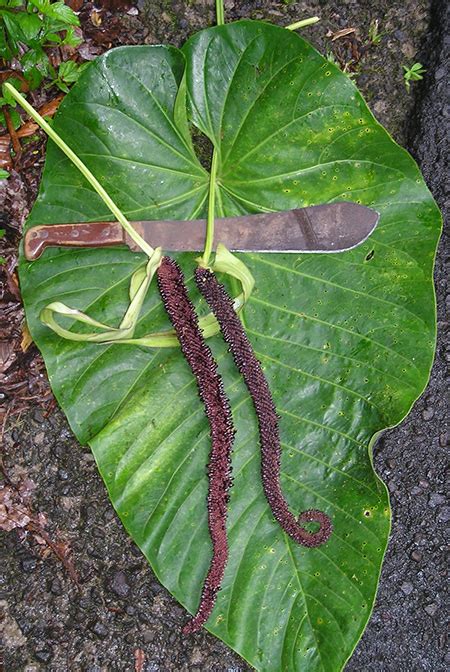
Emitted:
<point x="120" y="618"/>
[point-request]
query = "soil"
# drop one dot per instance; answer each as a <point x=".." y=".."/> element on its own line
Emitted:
<point x="113" y="615"/>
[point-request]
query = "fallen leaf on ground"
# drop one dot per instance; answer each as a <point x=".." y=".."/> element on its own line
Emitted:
<point x="340" y="33"/>
<point x="5" y="152"/>
<point x="26" y="338"/>
<point x="139" y="660"/>
<point x="16" y="513"/>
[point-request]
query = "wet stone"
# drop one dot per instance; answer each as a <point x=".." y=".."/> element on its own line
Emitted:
<point x="444" y="514"/>
<point x="134" y="549"/>
<point x="39" y="629"/>
<point x="44" y="655"/>
<point x="407" y="588"/>
<point x="148" y="636"/>
<point x="55" y="587"/>
<point x="100" y="630"/>
<point x="109" y="514"/>
<point x="38" y="416"/>
<point x="431" y="609"/>
<point x="98" y="532"/>
<point x="120" y="585"/>
<point x="39" y="439"/>
<point x="58" y="451"/>
<point x="152" y="667"/>
<point x="25" y="626"/>
<point x="12" y="635"/>
<point x="428" y="414"/>
<point x="96" y="552"/>
<point x="144" y="617"/>
<point x="63" y="475"/>
<point x="436" y="500"/>
<point x="28" y="564"/>
<point x="196" y="657"/>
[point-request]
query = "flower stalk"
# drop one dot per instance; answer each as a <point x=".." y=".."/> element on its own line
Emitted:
<point x="249" y="367"/>
<point x="217" y="408"/>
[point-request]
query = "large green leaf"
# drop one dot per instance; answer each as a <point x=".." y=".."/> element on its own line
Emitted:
<point x="346" y="340"/>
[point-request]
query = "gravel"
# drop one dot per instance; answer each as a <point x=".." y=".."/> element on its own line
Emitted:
<point x="119" y="609"/>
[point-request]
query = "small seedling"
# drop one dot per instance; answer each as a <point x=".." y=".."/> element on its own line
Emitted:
<point x="330" y="56"/>
<point x="413" y="74"/>
<point x="375" y="36"/>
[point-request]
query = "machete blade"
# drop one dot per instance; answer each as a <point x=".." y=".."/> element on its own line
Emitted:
<point x="334" y="227"/>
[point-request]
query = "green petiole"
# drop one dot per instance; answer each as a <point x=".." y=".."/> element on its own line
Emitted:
<point x="220" y="13"/>
<point x="302" y="24"/>
<point x="140" y="282"/>
<point x="95" y="184"/>
<point x="225" y="262"/>
<point x="204" y="261"/>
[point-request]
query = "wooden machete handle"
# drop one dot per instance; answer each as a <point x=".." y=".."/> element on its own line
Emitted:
<point x="89" y="234"/>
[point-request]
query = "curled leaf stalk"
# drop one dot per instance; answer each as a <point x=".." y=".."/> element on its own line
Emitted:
<point x="248" y="365"/>
<point x="142" y="278"/>
<point x="199" y="357"/>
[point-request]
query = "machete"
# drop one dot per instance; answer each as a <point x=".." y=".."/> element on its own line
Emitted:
<point x="333" y="227"/>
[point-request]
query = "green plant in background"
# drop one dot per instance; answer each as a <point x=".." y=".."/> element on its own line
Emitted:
<point x="68" y="74"/>
<point x="331" y="57"/>
<point x="412" y="73"/>
<point x="346" y="341"/>
<point x="375" y="35"/>
<point x="27" y="31"/>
